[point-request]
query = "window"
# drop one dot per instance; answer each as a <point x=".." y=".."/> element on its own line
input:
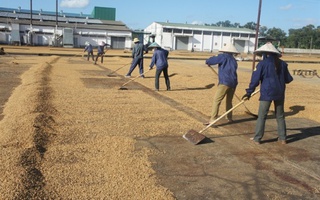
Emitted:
<point x="187" y="31"/>
<point x="197" y="32"/>
<point x="167" y="30"/>
<point x="244" y="35"/>
<point x="226" y="34"/>
<point x="177" y="30"/>
<point x="207" y="33"/>
<point x="235" y="34"/>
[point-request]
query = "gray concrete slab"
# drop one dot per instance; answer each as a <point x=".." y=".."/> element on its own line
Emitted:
<point x="231" y="166"/>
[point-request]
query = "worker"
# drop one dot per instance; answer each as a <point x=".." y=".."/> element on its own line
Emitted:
<point x="137" y="57"/>
<point x="101" y="51"/>
<point x="89" y="49"/>
<point x="228" y="80"/>
<point x="272" y="74"/>
<point x="160" y="59"/>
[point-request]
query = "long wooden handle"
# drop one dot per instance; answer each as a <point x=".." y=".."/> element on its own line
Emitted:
<point x="136" y="78"/>
<point x="241" y="102"/>
<point x="119" y="68"/>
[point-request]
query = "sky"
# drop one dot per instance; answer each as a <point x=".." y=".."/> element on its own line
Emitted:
<point x="283" y="14"/>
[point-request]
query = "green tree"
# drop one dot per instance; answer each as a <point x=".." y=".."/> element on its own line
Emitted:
<point x="226" y="23"/>
<point x="250" y="25"/>
<point x="262" y="31"/>
<point x="278" y="35"/>
<point x="307" y="37"/>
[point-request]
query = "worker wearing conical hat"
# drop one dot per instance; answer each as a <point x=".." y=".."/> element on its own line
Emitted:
<point x="272" y="75"/>
<point x="228" y="79"/>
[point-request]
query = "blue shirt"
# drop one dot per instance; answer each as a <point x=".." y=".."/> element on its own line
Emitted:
<point x="159" y="58"/>
<point x="228" y="66"/>
<point x="88" y="48"/>
<point x="273" y="81"/>
<point x="101" y="49"/>
<point x="138" y="50"/>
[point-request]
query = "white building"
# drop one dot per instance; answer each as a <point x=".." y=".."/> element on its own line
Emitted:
<point x="179" y="36"/>
<point x="44" y="28"/>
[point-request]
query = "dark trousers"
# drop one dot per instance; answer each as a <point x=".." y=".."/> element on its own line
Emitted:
<point x="98" y="55"/>
<point x="135" y="62"/>
<point x="166" y="77"/>
<point x="90" y="53"/>
<point x="262" y="116"/>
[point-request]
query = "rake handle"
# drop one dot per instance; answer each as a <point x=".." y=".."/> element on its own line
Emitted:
<point x="119" y="68"/>
<point x="241" y="102"/>
<point x="135" y="78"/>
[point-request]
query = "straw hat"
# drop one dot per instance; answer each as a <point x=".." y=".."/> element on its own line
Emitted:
<point x="229" y="48"/>
<point x="102" y="43"/>
<point x="136" y="40"/>
<point x="87" y="43"/>
<point x="154" y="45"/>
<point x="268" y="47"/>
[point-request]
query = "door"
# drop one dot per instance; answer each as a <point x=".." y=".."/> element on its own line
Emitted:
<point x="182" y="43"/>
<point x="118" y="42"/>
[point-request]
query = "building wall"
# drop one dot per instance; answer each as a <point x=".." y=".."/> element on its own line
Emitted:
<point x="199" y="39"/>
<point x="15" y="28"/>
<point x="44" y="36"/>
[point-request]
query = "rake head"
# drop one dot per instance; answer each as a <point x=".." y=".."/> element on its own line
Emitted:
<point x="194" y="137"/>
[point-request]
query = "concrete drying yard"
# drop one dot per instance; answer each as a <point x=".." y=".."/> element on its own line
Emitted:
<point x="68" y="132"/>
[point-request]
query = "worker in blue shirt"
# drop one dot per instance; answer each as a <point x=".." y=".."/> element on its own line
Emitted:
<point x="272" y="74"/>
<point x="101" y="51"/>
<point x="137" y="57"/>
<point x="88" y="48"/>
<point x="160" y="59"/>
<point x="228" y="79"/>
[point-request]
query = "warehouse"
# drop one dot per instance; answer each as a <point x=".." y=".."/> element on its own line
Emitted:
<point x="179" y="36"/>
<point x="43" y="28"/>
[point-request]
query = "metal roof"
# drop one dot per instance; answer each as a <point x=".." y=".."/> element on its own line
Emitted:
<point x="43" y="19"/>
<point x="204" y="27"/>
<point x="26" y="11"/>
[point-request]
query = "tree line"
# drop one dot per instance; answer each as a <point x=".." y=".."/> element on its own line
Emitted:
<point x="307" y="37"/>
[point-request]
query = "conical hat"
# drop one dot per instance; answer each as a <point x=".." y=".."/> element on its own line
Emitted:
<point x="268" y="47"/>
<point x="229" y="48"/>
<point x="136" y="40"/>
<point x="153" y="45"/>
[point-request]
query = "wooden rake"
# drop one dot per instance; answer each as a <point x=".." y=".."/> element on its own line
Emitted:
<point x="196" y="137"/>
<point x="123" y="88"/>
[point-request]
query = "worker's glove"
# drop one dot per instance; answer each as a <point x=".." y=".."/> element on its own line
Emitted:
<point x="246" y="97"/>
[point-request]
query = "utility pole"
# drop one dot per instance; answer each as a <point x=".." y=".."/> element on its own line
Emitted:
<point x="31" y="13"/>
<point x="56" y="29"/>
<point x="311" y="45"/>
<point x="30" y="36"/>
<point x="257" y="34"/>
